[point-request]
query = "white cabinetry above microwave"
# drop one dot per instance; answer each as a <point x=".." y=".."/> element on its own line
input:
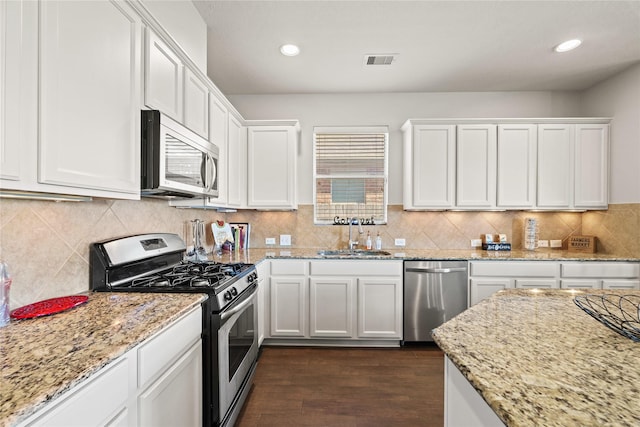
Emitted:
<point x="502" y="164"/>
<point x="56" y="138"/>
<point x="174" y="89"/>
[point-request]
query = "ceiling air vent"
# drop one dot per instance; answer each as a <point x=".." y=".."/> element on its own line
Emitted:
<point x="380" y="59"/>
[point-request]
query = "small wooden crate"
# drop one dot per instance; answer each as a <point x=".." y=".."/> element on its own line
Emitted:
<point x="582" y="244"/>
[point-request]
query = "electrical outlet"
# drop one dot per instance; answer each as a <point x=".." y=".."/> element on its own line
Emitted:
<point x="476" y="243"/>
<point x="400" y="242"/>
<point x="556" y="243"/>
<point x="543" y="243"/>
<point x="270" y="241"/>
<point x="285" y="240"/>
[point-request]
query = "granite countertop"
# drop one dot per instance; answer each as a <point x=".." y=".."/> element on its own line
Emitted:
<point x="43" y="357"/>
<point x="537" y="359"/>
<point x="257" y="255"/>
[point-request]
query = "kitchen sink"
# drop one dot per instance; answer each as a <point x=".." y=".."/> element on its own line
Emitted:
<point x="356" y="253"/>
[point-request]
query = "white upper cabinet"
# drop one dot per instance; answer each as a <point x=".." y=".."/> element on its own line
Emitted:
<point x="271" y="166"/>
<point x="429" y="166"/>
<point x="476" y="166"/>
<point x="89" y="100"/>
<point x="218" y="134"/>
<point x="71" y="113"/>
<point x="196" y="104"/>
<point x="12" y="55"/>
<point x="516" y="166"/>
<point x="591" y="166"/>
<point x="163" y="77"/>
<point x="545" y="164"/>
<point x="555" y="166"/>
<point x="236" y="163"/>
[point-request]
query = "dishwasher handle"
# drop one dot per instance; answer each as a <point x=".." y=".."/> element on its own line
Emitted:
<point x="437" y="270"/>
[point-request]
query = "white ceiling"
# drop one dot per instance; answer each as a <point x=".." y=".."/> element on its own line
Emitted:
<point x="441" y="45"/>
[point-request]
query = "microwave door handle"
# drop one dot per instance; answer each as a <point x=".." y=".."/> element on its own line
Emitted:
<point x="203" y="170"/>
<point x="212" y="172"/>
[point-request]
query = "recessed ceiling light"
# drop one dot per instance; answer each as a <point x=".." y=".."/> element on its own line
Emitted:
<point x="568" y="45"/>
<point x="289" y="50"/>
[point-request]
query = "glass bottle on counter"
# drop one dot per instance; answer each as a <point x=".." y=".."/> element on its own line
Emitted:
<point x="378" y="242"/>
<point x="369" y="244"/>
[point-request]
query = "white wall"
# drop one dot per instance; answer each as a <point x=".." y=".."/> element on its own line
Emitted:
<point x="619" y="97"/>
<point x="393" y="109"/>
<point x="183" y="21"/>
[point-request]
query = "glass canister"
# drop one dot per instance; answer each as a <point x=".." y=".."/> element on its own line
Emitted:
<point x="530" y="238"/>
<point x="5" y="285"/>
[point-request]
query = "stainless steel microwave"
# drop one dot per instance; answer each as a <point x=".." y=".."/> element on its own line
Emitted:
<point x="176" y="162"/>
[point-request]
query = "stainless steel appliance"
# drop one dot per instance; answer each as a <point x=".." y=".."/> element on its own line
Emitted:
<point x="176" y="162"/>
<point x="154" y="263"/>
<point x="434" y="292"/>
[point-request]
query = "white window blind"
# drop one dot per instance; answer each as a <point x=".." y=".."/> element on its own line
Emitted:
<point x="350" y="173"/>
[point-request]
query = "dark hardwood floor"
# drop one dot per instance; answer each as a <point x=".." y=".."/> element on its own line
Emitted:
<point x="346" y="387"/>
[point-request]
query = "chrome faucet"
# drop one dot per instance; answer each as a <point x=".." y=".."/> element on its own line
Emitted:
<point x="353" y="244"/>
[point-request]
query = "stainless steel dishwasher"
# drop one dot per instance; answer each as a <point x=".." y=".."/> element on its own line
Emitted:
<point x="434" y="292"/>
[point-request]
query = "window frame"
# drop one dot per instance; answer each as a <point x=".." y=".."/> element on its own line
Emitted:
<point x="354" y="130"/>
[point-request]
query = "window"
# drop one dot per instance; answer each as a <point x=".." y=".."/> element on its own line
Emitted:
<point x="350" y="174"/>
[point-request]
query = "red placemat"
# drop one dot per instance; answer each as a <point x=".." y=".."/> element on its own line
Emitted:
<point x="49" y="306"/>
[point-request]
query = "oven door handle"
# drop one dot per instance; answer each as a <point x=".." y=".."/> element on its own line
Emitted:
<point x="226" y="314"/>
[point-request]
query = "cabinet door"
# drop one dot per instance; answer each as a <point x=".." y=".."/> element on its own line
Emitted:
<point x="483" y="288"/>
<point x="288" y="307"/>
<point x="591" y="166"/>
<point x="11" y="69"/>
<point x="89" y="100"/>
<point x="430" y="156"/>
<point x="379" y="307"/>
<point x="331" y="307"/>
<point x="163" y="78"/>
<point x="555" y="166"/>
<point x="271" y="173"/>
<point x="476" y="147"/>
<point x="235" y="163"/>
<point x="620" y="284"/>
<point x="196" y="104"/>
<point x="175" y="399"/>
<point x="218" y="124"/>
<point x="516" y="166"/>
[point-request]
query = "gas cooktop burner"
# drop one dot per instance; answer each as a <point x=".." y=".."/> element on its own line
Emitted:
<point x="188" y="274"/>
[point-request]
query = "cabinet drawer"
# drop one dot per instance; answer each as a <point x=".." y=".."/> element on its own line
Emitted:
<point x="621" y="284"/>
<point x="580" y="284"/>
<point x="536" y="283"/>
<point x="356" y="268"/>
<point x="166" y="347"/>
<point x="288" y="268"/>
<point x="514" y="269"/>
<point x="601" y="269"/>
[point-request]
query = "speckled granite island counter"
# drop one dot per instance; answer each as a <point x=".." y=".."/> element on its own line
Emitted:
<point x="43" y="357"/>
<point x="537" y="359"/>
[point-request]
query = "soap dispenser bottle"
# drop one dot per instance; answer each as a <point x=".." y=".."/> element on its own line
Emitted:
<point x="368" y="240"/>
<point x="378" y="242"/>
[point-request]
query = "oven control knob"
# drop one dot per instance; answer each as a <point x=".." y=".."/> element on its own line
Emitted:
<point x="234" y="291"/>
<point x="228" y="296"/>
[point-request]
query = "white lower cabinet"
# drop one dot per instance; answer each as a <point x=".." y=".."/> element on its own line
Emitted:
<point x="463" y="405"/>
<point x="600" y="275"/>
<point x="157" y="383"/>
<point x="489" y="277"/>
<point x="331" y="307"/>
<point x="335" y="300"/>
<point x="380" y="307"/>
<point x="175" y="398"/>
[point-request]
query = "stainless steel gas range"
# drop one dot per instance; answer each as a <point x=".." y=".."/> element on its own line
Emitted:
<point x="154" y="263"/>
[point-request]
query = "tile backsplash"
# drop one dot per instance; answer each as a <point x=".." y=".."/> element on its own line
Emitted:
<point x="46" y="244"/>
